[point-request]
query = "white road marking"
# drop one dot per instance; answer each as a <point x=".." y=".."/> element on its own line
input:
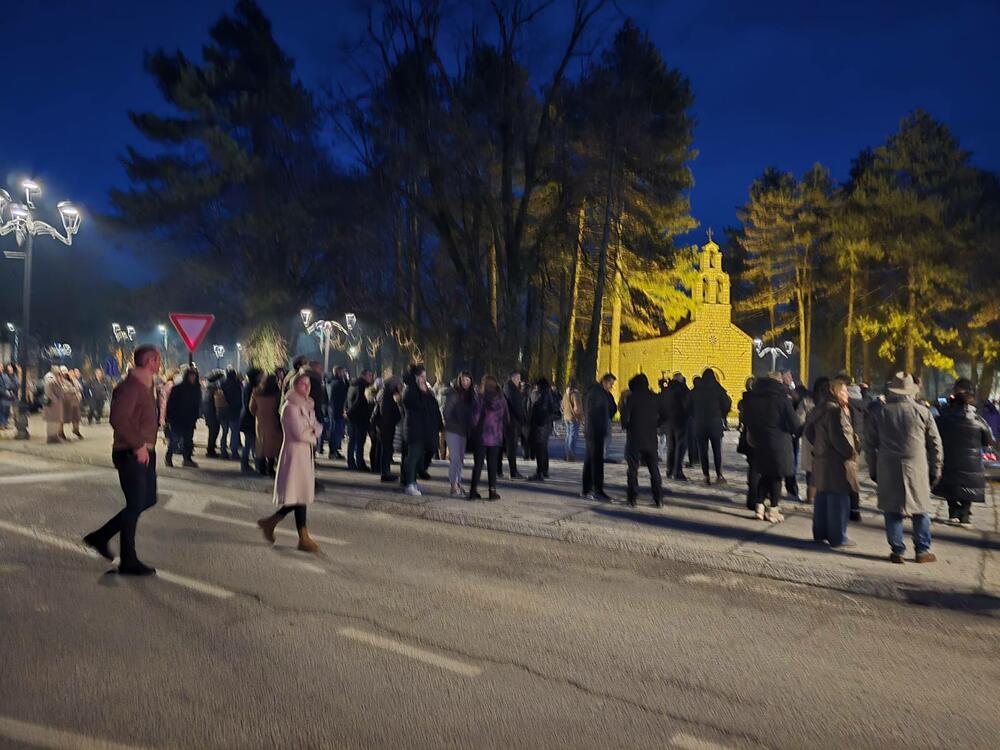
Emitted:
<point x="56" y="476"/>
<point x="436" y="660"/>
<point x="197" y="507"/>
<point x="37" y="735"/>
<point x="690" y="742"/>
<point x="27" y="461"/>
<point x="70" y="546"/>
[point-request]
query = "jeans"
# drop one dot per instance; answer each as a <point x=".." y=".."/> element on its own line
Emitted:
<point x="648" y="459"/>
<point x="572" y="437"/>
<point x="413" y="462"/>
<point x="337" y="437"/>
<point x="249" y="446"/>
<point x="324" y="436"/>
<point x="921" y="532"/>
<point x="224" y="438"/>
<point x="356" y="435"/>
<point x="138" y="484"/>
<point x="491" y="454"/>
<point x="456" y="455"/>
<point x="830" y="516"/>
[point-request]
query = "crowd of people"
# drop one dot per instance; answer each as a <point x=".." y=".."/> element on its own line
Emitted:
<point x="277" y="423"/>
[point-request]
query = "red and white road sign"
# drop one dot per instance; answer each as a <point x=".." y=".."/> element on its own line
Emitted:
<point x="192" y="327"/>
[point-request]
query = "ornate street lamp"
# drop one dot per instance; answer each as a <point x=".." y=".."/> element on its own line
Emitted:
<point x="25" y="229"/>
<point x="239" y="356"/>
<point x="774" y="351"/>
<point x="220" y="352"/>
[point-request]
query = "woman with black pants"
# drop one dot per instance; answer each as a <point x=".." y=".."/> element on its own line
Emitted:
<point x="709" y="406"/>
<point x="489" y="421"/>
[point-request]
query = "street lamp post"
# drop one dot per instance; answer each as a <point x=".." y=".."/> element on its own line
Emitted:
<point x="220" y="352"/>
<point x="774" y="351"/>
<point x="239" y="357"/>
<point x="25" y="228"/>
<point x="163" y="330"/>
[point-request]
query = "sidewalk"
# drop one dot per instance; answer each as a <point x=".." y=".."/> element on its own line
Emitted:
<point x="702" y="525"/>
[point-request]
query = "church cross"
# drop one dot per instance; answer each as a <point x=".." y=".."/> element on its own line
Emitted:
<point x="709" y="234"/>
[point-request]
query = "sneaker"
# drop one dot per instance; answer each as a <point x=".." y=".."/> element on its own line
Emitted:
<point x="681" y="477"/>
<point x="953" y="521"/>
<point x="774" y="515"/>
<point x="190" y="463"/>
<point x="759" y="511"/>
<point x="630" y="501"/>
<point x="925" y="557"/>
<point x="517" y="475"/>
<point x="494" y="495"/>
<point x="455" y="490"/>
<point x="966" y="525"/>
<point x="846" y="544"/>
<point x="587" y="495"/>
<point x="412" y="490"/>
<point x="474" y="496"/>
<point x="602" y="496"/>
<point x="100" y="546"/>
<point x="897" y="559"/>
<point x="135" y="569"/>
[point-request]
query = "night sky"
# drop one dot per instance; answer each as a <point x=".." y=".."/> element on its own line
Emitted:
<point x="776" y="83"/>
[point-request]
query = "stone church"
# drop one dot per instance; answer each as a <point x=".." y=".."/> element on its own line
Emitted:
<point x="709" y="339"/>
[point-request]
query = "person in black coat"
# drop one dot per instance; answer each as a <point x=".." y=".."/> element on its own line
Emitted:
<point x="518" y="418"/>
<point x="771" y="424"/>
<point x="232" y="389"/>
<point x="746" y="448"/>
<point x="211" y="411"/>
<point x="359" y="414"/>
<point x="386" y="417"/>
<point x="676" y="397"/>
<point x="421" y="420"/>
<point x="964" y="435"/>
<point x="542" y="410"/>
<point x="248" y="423"/>
<point x="338" y="398"/>
<point x="709" y="405"/>
<point x="599" y="409"/>
<point x="643" y="412"/>
<point x="183" y="410"/>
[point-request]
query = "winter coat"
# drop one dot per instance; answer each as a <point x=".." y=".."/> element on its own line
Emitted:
<point x="317" y="393"/>
<point x="771" y="424"/>
<point x="53" y="410"/>
<point x="642" y="414"/>
<point x="100" y="390"/>
<point x="991" y="415"/>
<point x="676" y="396"/>
<point x="572" y="406"/>
<point x="184" y="405"/>
<point x="72" y="398"/>
<point x="542" y="409"/>
<point x="247" y="422"/>
<point x="357" y="407"/>
<point x="834" y="448"/>
<point x="421" y="415"/>
<point x="515" y="405"/>
<point x="457" y="411"/>
<point x="964" y="434"/>
<point x="387" y="413"/>
<point x="8" y="388"/>
<point x="600" y="408"/>
<point x="490" y="417"/>
<point x="905" y="455"/>
<point x="209" y="406"/>
<point x="264" y="408"/>
<point x="295" y="481"/>
<point x="232" y="389"/>
<point x="708" y="405"/>
<point x="338" y="397"/>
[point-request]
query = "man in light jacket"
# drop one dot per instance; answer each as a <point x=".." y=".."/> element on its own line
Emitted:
<point x="905" y="458"/>
<point x="572" y="409"/>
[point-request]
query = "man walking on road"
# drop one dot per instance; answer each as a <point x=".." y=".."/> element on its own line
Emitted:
<point x="600" y="408"/>
<point x="134" y="421"/>
<point x="643" y="412"/>
<point x="905" y="458"/>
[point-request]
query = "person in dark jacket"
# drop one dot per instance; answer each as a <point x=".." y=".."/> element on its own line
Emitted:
<point x="421" y="420"/>
<point x="643" y="412"/>
<point x="489" y="420"/>
<point x="183" y="410"/>
<point x="248" y="424"/>
<point x="676" y="397"/>
<point x="232" y="388"/>
<point x="542" y="410"/>
<point x="100" y="392"/>
<point x="338" y="398"/>
<point x="691" y="439"/>
<point x="385" y="418"/>
<point x="964" y="435"/>
<point x="710" y="405"/>
<point x="600" y="408"/>
<point x="745" y="447"/>
<point x="211" y="410"/>
<point x="359" y="414"/>
<point x="518" y="417"/>
<point x="771" y="422"/>
<point x="459" y="400"/>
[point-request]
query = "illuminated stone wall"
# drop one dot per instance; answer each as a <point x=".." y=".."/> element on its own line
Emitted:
<point x="709" y="340"/>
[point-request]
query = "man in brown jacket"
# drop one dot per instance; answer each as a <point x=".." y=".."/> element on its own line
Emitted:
<point x="134" y="420"/>
<point x="834" y="465"/>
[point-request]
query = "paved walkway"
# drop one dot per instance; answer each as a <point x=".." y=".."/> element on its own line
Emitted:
<point x="705" y="525"/>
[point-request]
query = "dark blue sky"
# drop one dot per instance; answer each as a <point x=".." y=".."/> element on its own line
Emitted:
<point x="782" y="83"/>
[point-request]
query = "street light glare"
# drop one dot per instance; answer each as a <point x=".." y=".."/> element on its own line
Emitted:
<point x="19" y="211"/>
<point x="10" y="327"/>
<point x="31" y="185"/>
<point x="161" y="328"/>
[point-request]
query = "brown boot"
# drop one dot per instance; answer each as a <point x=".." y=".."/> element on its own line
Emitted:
<point x="267" y="526"/>
<point x="306" y="544"/>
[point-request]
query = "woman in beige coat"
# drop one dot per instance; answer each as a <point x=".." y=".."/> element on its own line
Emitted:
<point x="53" y="409"/>
<point x="294" y="485"/>
<point x="264" y="407"/>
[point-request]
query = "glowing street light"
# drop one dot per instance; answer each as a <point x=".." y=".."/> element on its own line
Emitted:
<point x="25" y="228"/>
<point x="220" y="352"/>
<point x="239" y="356"/>
<point x="163" y="332"/>
<point x="306" y="315"/>
<point x="762" y="351"/>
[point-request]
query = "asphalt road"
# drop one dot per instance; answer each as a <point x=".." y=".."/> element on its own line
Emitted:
<point x="414" y="634"/>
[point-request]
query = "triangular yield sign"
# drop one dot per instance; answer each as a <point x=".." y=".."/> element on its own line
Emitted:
<point x="192" y="327"/>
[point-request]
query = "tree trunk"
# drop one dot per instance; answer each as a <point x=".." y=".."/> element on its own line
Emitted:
<point x="574" y="293"/>
<point x="492" y="276"/>
<point x="614" y="347"/>
<point x="909" y="352"/>
<point x="596" y="323"/>
<point x="849" y="328"/>
<point x="985" y="388"/>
